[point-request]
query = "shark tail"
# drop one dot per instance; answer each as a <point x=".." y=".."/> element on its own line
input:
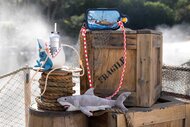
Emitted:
<point x="121" y="99"/>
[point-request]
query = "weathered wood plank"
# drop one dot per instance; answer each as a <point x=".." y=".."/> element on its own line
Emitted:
<point x="58" y="122"/>
<point x="42" y="118"/>
<point x="121" y="121"/>
<point x="159" y="116"/>
<point x="143" y="70"/>
<point x="187" y="120"/>
<point x="107" y="69"/>
<point x="156" y="69"/>
<point x="172" y="113"/>
<point x="47" y="121"/>
<point x="77" y="120"/>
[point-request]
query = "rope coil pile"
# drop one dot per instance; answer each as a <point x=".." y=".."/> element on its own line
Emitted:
<point x="59" y="84"/>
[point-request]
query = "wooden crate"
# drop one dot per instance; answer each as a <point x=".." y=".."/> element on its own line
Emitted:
<point x="144" y="62"/>
<point x="169" y="112"/>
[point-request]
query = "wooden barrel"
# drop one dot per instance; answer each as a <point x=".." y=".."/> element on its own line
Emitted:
<point x="45" y="118"/>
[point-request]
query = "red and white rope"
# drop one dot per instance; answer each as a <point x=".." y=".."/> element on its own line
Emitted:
<point x="125" y="57"/>
<point x="83" y="31"/>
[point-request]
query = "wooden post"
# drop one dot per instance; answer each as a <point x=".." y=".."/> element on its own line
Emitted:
<point x="187" y="120"/>
<point x="27" y="94"/>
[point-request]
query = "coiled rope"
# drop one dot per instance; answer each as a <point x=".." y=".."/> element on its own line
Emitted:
<point x="45" y="87"/>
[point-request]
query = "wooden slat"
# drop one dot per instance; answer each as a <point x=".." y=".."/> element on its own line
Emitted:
<point x="187" y="120"/>
<point x="128" y="31"/>
<point x="99" y="121"/>
<point x="155" y="72"/>
<point x="148" y="31"/>
<point x="43" y="118"/>
<point x="113" y="41"/>
<point x="176" y="123"/>
<point x="47" y="121"/>
<point x="58" y="122"/>
<point x="115" y="46"/>
<point x="35" y="121"/>
<point x="143" y="69"/>
<point x="121" y="121"/>
<point x="157" y="41"/>
<point x="112" y="120"/>
<point x="77" y="120"/>
<point x="27" y="94"/>
<point x="105" y="62"/>
<point x="159" y="116"/>
<point x="169" y="114"/>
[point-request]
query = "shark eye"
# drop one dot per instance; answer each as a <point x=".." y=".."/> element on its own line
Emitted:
<point x="42" y="54"/>
<point x="65" y="99"/>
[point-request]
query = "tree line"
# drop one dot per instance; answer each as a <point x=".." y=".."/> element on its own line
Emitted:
<point x="69" y="14"/>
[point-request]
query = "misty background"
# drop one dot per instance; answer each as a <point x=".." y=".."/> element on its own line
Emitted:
<point x="23" y="21"/>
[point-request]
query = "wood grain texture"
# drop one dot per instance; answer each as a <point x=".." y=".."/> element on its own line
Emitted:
<point x="41" y="118"/>
<point x="105" y="120"/>
<point x="173" y="113"/>
<point x="27" y="94"/>
<point x="143" y="69"/>
<point x="144" y="62"/>
<point x="187" y="121"/>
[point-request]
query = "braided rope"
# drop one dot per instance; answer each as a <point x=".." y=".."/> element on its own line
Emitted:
<point x="57" y="89"/>
<point x="56" y="84"/>
<point x="52" y="96"/>
<point x="83" y="30"/>
<point x="66" y="78"/>
<point x="52" y="87"/>
<point x="49" y="106"/>
<point x="57" y="73"/>
<point x="125" y="62"/>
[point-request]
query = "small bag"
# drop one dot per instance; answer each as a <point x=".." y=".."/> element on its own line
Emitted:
<point x="103" y="19"/>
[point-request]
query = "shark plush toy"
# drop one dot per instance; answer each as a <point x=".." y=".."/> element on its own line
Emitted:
<point x="48" y="61"/>
<point x="88" y="102"/>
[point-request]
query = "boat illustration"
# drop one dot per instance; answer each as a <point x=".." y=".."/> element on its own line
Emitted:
<point x="104" y="22"/>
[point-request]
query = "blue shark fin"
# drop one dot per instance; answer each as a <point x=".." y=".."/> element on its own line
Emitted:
<point x="89" y="92"/>
<point x="40" y="46"/>
<point x="38" y="64"/>
<point x="47" y="67"/>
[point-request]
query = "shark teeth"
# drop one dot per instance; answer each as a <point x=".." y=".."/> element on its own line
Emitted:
<point x="66" y="106"/>
<point x="55" y="53"/>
